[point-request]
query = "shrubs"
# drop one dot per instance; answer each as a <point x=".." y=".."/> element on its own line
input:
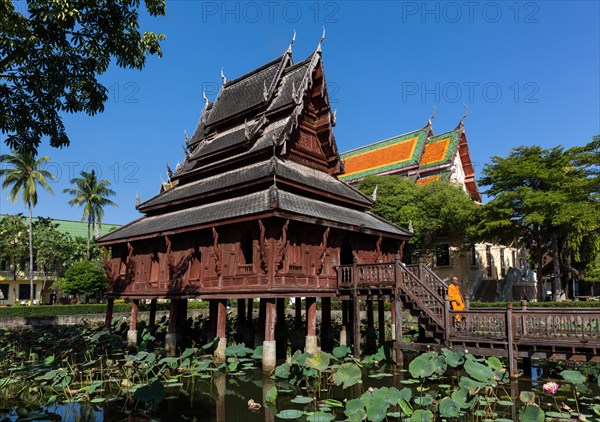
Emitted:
<point x="564" y="304"/>
<point x="55" y="310"/>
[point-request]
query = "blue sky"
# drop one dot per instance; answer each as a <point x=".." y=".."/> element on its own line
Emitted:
<point x="529" y="73"/>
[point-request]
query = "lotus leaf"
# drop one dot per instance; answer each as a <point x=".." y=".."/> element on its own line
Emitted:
<point x="448" y="408"/>
<point x="271" y="395"/>
<point x="319" y="361"/>
<point x="290" y="414"/>
<point x="573" y="377"/>
<point x="423" y="365"/>
<point x="531" y="413"/>
<point x="480" y="372"/>
<point x="422" y="415"/>
<point x="347" y="374"/>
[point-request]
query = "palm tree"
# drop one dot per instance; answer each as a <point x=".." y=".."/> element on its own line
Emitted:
<point x="92" y="194"/>
<point x="23" y="176"/>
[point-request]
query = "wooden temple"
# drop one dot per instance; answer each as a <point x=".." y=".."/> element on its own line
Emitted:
<point x="256" y="211"/>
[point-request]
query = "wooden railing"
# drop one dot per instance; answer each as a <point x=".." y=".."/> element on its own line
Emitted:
<point x="427" y="276"/>
<point x="391" y="276"/>
<point x="568" y="326"/>
<point x="420" y="293"/>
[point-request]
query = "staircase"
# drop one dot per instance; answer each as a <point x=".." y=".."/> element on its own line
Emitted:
<point x="421" y="291"/>
<point x="423" y="294"/>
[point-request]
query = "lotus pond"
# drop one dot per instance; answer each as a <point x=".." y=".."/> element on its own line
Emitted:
<point x="85" y="374"/>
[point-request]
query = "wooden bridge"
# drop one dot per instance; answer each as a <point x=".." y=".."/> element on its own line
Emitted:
<point x="550" y="333"/>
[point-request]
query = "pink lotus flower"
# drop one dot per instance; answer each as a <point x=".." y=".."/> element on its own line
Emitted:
<point x="550" y="387"/>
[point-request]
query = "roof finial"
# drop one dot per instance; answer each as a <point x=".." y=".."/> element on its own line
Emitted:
<point x="334" y="117"/>
<point x="137" y="199"/>
<point x="322" y="37"/>
<point x="186" y="152"/>
<point x="432" y="116"/>
<point x="374" y="194"/>
<point x="410" y="226"/>
<point x="265" y="91"/>
<point x="295" y="95"/>
<point x="223" y="78"/>
<point x="464" y="116"/>
<point x="292" y="42"/>
<point x="187" y="138"/>
<point x="204" y="97"/>
<point x="169" y="172"/>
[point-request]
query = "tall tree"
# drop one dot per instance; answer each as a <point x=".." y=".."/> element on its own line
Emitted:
<point x="51" y="54"/>
<point x="23" y="176"/>
<point x="544" y="197"/>
<point x="436" y="210"/>
<point x="93" y="195"/>
<point x="13" y="240"/>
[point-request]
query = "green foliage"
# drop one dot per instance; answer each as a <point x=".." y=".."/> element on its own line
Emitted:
<point x="92" y="194"/>
<point x="563" y="304"/>
<point x="52" y="54"/>
<point x="438" y="209"/>
<point x="84" y="278"/>
<point x="13" y="239"/>
<point x="547" y="198"/>
<point x="56" y="310"/>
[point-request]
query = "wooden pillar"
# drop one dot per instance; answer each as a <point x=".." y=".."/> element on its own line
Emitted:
<point x="393" y="321"/>
<point x="132" y="333"/>
<point x="249" y="328"/>
<point x="221" y="330"/>
<point x="259" y="334"/>
<point x="213" y="309"/>
<point x="298" y="318"/>
<point x="397" y="316"/>
<point x="512" y="360"/>
<point x="310" y="344"/>
<point x="110" y="302"/>
<point x="241" y="320"/>
<point x="397" y="311"/>
<point x="356" y="325"/>
<point x="280" y="334"/>
<point x="171" y="336"/>
<point x="182" y="320"/>
<point x="381" y="321"/>
<point x="371" y="333"/>
<point x="220" y="381"/>
<point x="350" y="310"/>
<point x="326" y="328"/>
<point x="152" y="318"/>
<point x="343" y="331"/>
<point x="269" y="345"/>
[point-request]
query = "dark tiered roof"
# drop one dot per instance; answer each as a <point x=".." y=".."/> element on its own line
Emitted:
<point x="249" y="158"/>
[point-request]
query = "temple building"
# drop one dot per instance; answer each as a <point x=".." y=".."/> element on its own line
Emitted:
<point x="255" y="211"/>
<point x="423" y="157"/>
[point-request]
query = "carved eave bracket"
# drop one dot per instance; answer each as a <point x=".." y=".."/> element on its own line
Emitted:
<point x="378" y="254"/>
<point x="129" y="263"/>
<point x="322" y="251"/>
<point x="282" y="245"/>
<point x="218" y="253"/>
<point x="263" y="248"/>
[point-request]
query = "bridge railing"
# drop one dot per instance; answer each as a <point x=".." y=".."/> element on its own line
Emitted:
<point x="363" y="276"/>
<point x="526" y="325"/>
<point x="427" y="276"/>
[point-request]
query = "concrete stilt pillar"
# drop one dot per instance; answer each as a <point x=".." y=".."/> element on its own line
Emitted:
<point x="326" y="328"/>
<point x="171" y="336"/>
<point x="381" y="321"/>
<point x="280" y="330"/>
<point x="343" y="331"/>
<point x="371" y="333"/>
<point x="132" y="333"/>
<point x="221" y="330"/>
<point x="310" y="345"/>
<point x="152" y="317"/>
<point x="393" y="322"/>
<point x="269" y="344"/>
<point x="109" y="313"/>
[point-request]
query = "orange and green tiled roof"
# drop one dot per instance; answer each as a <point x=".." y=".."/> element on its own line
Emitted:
<point x="433" y="178"/>
<point x="391" y="154"/>
<point x="439" y="150"/>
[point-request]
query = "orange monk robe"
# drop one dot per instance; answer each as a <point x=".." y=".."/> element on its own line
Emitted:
<point x="457" y="302"/>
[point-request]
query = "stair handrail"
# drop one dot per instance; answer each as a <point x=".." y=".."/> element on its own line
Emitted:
<point x="432" y="294"/>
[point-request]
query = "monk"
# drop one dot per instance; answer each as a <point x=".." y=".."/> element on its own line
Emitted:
<point x="457" y="303"/>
